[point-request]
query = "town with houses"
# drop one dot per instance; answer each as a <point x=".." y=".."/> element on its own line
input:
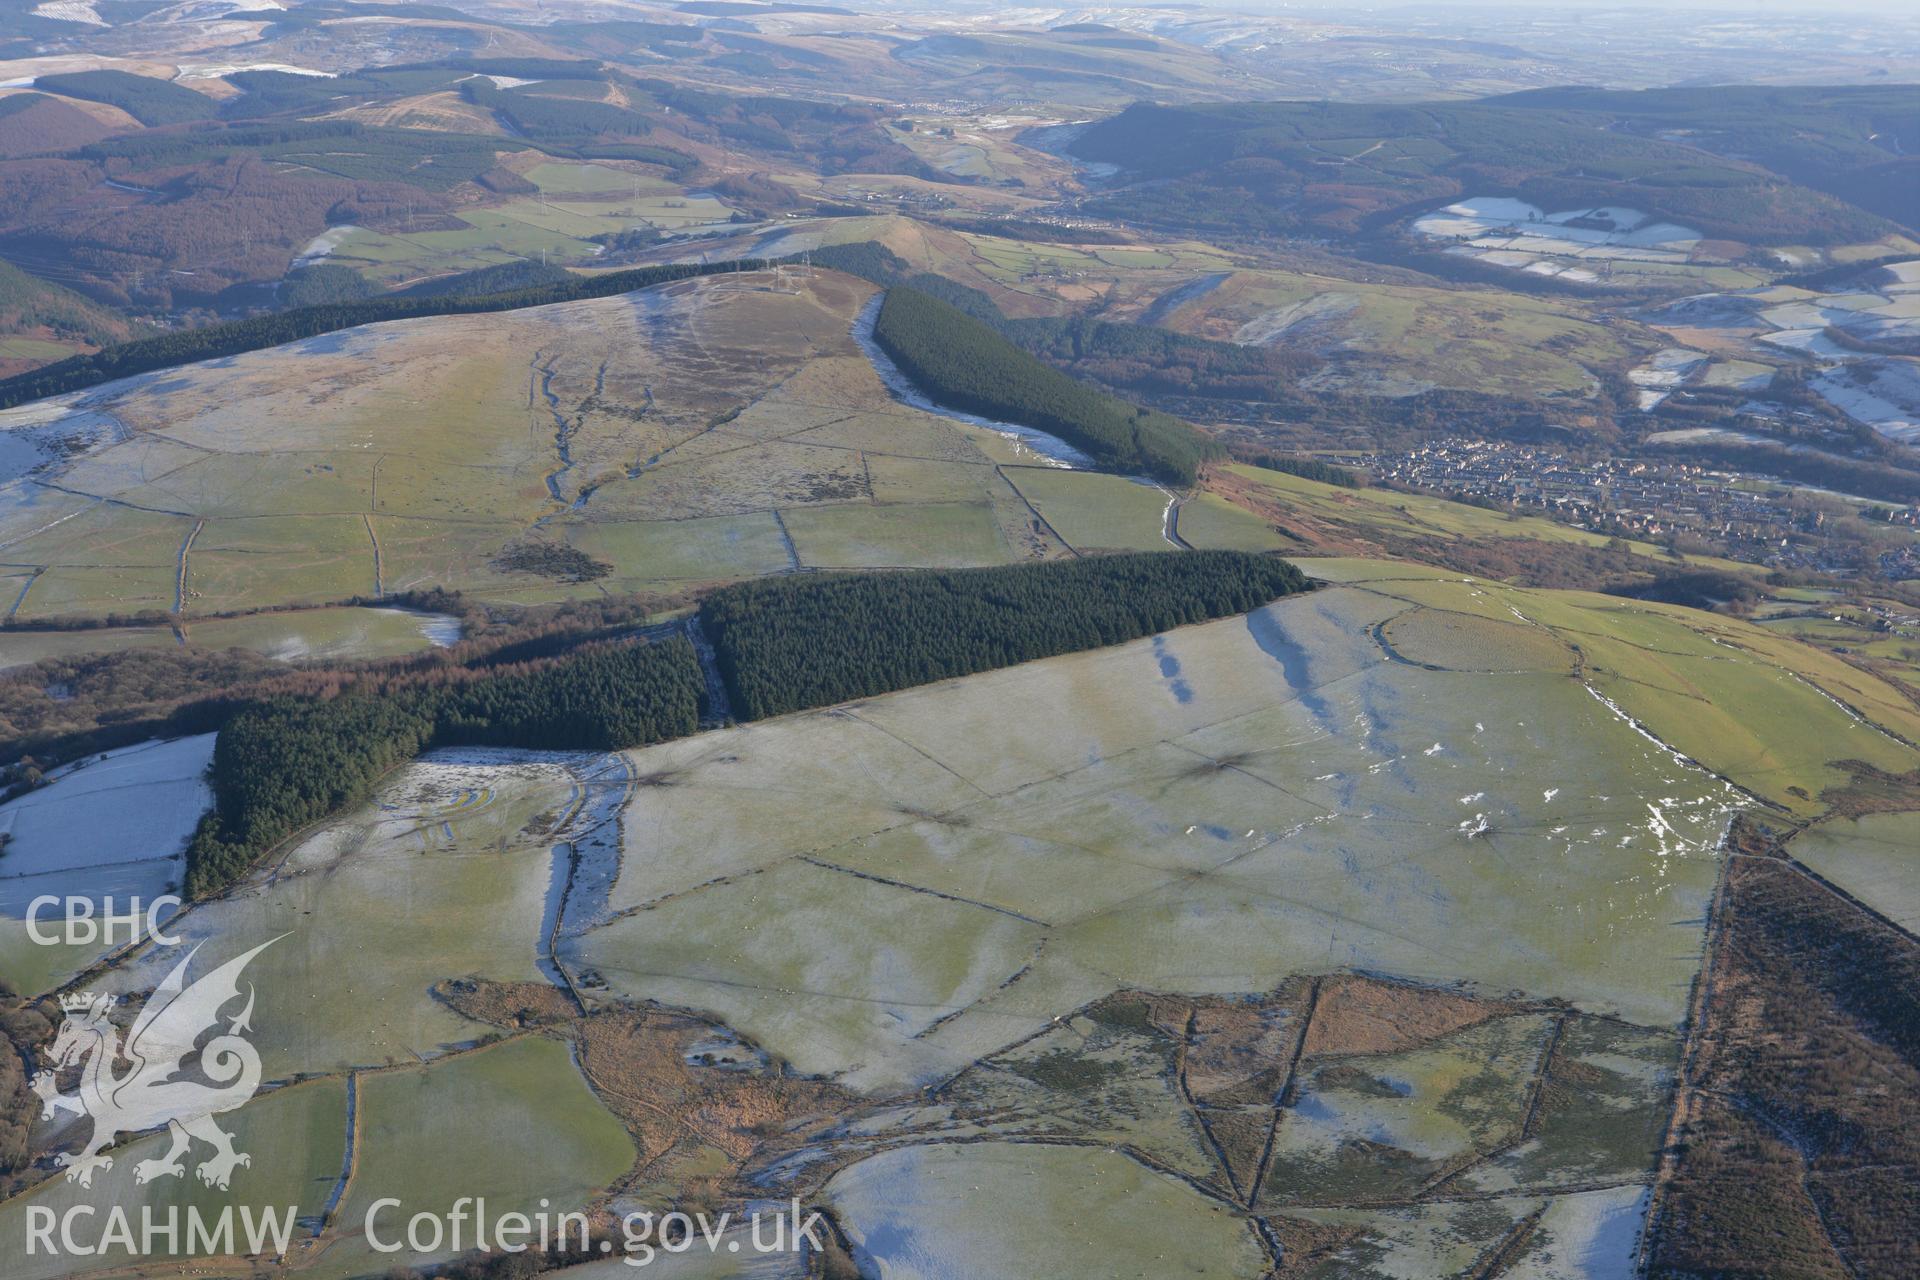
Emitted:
<point x="1777" y="525"/>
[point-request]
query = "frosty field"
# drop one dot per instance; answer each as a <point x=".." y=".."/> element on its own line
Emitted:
<point x="694" y="432"/>
<point x="1298" y="927"/>
<point x="109" y="828"/>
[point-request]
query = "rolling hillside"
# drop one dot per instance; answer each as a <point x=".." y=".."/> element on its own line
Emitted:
<point x="1282" y="168"/>
<point x="41" y="322"/>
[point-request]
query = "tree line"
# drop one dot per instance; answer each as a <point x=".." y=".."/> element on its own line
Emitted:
<point x="283" y="763"/>
<point x="294" y="747"/>
<point x="1305" y="468"/>
<point x="149" y="100"/>
<point x="965" y="364"/>
<point x="787" y="644"/>
<point x="238" y="336"/>
<point x="536" y="115"/>
<point x="1879" y="478"/>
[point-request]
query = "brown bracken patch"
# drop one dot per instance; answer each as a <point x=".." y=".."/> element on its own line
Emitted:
<point x="1365" y="1015"/>
<point x="1871" y="790"/>
<point x="1799" y="1148"/>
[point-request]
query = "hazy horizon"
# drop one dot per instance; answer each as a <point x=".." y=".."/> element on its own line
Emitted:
<point x="1754" y="8"/>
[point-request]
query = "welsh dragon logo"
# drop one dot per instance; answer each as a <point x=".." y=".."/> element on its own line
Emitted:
<point x="172" y="1079"/>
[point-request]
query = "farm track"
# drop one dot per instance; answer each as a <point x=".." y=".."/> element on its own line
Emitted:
<point x="719" y="707"/>
<point x="1038" y="519"/>
<point x="25" y="587"/>
<point x="180" y="573"/>
<point x="379" y="573"/>
<point x="786" y="541"/>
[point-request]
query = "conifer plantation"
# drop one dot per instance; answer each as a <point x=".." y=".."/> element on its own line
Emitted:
<point x="963" y="363"/>
<point x="786" y="644"/>
<point x="287" y="762"/>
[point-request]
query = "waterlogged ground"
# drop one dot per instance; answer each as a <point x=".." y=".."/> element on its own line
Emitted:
<point x="1361" y="927"/>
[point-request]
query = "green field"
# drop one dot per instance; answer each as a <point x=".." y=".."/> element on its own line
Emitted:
<point x="1210" y="522"/>
<point x="1038" y="1210"/>
<point x="935" y="535"/>
<point x="350" y="632"/>
<point x="296" y="1137"/>
<point x="1385" y="513"/>
<point x="1392" y="340"/>
<point x="512" y="1122"/>
<point x="576" y="203"/>
<point x="1773" y="715"/>
<point x="1092" y="512"/>
<point x="697" y="432"/>
<point x="1873" y="858"/>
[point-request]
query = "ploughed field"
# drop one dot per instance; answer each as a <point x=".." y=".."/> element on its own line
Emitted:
<point x="1354" y="934"/>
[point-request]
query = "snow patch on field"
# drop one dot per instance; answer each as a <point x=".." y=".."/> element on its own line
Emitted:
<point x="50" y="430"/>
<point x="1569" y="244"/>
<point x="323" y="245"/>
<point x="1813" y="342"/>
<point x="1589" y="1236"/>
<point x="214" y="70"/>
<point x="70" y="11"/>
<point x="1483" y="218"/>
<point x="1885" y="396"/>
<point x="109" y="830"/>
<point x="130" y="805"/>
<point x="1663" y="373"/>
<point x="210" y="10"/>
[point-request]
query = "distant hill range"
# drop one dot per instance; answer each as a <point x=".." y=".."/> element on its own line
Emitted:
<point x="1755" y="165"/>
